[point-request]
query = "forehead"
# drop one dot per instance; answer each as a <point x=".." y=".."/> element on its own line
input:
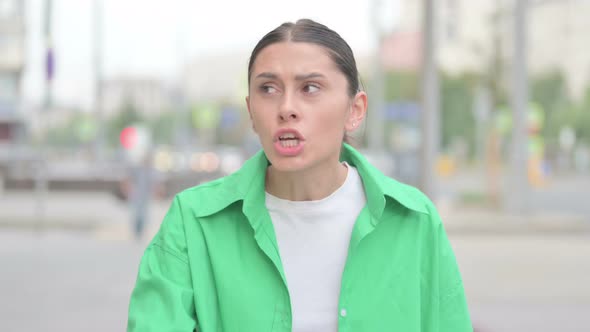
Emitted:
<point x="299" y="57"/>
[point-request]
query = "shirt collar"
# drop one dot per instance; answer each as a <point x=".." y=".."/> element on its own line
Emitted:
<point x="379" y="187"/>
<point x="247" y="185"/>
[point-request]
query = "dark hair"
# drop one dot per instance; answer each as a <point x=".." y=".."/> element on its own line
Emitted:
<point x="308" y="31"/>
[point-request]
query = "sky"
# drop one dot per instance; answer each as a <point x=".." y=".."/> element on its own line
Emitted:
<point x="153" y="38"/>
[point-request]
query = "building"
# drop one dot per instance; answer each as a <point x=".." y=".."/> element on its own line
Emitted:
<point x="470" y="32"/>
<point x="148" y="96"/>
<point x="219" y="77"/>
<point x="223" y="77"/>
<point x="559" y="39"/>
<point x="12" y="61"/>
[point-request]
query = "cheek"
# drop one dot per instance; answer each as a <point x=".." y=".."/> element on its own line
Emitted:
<point x="333" y="120"/>
<point x="259" y="122"/>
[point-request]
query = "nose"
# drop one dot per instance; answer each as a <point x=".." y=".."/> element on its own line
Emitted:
<point x="288" y="110"/>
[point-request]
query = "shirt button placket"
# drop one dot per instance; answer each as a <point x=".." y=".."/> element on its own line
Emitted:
<point x="342" y="325"/>
<point x="343" y="313"/>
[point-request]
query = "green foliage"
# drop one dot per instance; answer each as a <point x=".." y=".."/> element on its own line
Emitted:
<point x="166" y="126"/>
<point x="63" y="136"/>
<point x="78" y="130"/>
<point x="582" y="119"/>
<point x="456" y="96"/>
<point x="457" y="118"/>
<point x="549" y="91"/>
<point x="400" y="86"/>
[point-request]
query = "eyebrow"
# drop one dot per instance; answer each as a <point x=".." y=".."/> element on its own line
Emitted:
<point x="301" y="77"/>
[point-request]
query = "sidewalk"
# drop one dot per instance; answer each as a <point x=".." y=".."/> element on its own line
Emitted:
<point x="483" y="221"/>
<point x="559" y="206"/>
<point x="80" y="211"/>
<point x="104" y="214"/>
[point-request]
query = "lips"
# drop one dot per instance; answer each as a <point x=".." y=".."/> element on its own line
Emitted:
<point x="288" y="137"/>
<point x="288" y="142"/>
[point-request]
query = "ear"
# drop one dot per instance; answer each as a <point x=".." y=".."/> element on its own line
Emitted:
<point x="358" y="110"/>
<point x="250" y="112"/>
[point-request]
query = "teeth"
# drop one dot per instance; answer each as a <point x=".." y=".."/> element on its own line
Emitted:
<point x="290" y="143"/>
<point x="287" y="136"/>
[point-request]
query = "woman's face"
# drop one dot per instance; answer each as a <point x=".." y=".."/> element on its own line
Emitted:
<point x="299" y="105"/>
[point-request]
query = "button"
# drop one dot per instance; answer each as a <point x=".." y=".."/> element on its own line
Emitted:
<point x="343" y="313"/>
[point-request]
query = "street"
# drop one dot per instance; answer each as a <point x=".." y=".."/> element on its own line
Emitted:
<point x="81" y="281"/>
<point x="60" y="281"/>
<point x="526" y="283"/>
<point x="108" y="109"/>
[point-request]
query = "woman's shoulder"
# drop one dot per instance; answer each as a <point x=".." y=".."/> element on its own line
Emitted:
<point x="407" y="195"/>
<point x="209" y="197"/>
<point x="213" y="196"/>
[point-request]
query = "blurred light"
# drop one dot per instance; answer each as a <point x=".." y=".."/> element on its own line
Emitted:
<point x="163" y="161"/>
<point x="230" y="164"/>
<point x="195" y="162"/>
<point x="209" y="162"/>
<point x="179" y="162"/>
<point x="136" y="140"/>
<point x="128" y="137"/>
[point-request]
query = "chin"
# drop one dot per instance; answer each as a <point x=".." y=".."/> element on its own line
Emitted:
<point x="287" y="164"/>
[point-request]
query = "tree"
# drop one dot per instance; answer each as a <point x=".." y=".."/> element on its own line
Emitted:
<point x="549" y="91"/>
<point x="457" y="119"/>
<point x="457" y="116"/>
<point x="165" y="126"/>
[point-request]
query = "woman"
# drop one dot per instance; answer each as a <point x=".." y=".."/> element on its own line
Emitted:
<point x="307" y="235"/>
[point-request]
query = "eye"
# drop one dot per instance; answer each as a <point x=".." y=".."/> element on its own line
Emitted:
<point x="268" y="89"/>
<point x="311" y="88"/>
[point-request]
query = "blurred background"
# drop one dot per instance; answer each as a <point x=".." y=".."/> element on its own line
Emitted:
<point x="484" y="105"/>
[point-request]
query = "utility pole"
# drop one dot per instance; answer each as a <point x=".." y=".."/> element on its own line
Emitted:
<point x="97" y="66"/>
<point x="430" y="100"/>
<point x="41" y="185"/>
<point x="49" y="55"/>
<point x="375" y="116"/>
<point x="517" y="190"/>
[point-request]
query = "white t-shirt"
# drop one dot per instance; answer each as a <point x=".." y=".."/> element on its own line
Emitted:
<point x="313" y="239"/>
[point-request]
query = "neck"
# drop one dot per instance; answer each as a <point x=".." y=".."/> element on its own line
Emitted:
<point x="307" y="185"/>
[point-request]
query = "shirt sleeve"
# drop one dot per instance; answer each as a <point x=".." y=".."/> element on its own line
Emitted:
<point x="453" y="312"/>
<point x="162" y="299"/>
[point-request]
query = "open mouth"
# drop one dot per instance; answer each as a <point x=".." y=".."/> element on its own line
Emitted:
<point x="288" y="140"/>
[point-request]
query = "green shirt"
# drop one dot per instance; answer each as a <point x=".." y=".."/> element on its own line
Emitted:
<point x="214" y="265"/>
